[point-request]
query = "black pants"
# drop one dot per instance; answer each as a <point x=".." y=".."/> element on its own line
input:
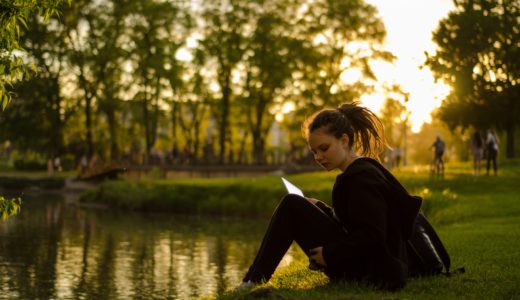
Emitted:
<point x="491" y="157"/>
<point x="295" y="219"/>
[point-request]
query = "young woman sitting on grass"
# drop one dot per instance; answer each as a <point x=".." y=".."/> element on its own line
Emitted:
<point x="362" y="236"/>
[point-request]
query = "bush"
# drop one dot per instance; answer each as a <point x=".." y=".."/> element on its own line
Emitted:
<point x="232" y="198"/>
<point x="15" y="183"/>
<point x="30" y="165"/>
<point x="68" y="162"/>
<point x="20" y="183"/>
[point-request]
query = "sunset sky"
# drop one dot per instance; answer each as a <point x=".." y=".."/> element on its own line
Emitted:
<point x="409" y="25"/>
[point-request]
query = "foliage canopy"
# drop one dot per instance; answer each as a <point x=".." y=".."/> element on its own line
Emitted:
<point x="477" y="54"/>
<point x="14" y="14"/>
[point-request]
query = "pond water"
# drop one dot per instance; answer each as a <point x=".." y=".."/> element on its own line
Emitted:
<point x="55" y="250"/>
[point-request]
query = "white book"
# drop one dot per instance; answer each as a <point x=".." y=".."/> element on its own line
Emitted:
<point x="291" y="188"/>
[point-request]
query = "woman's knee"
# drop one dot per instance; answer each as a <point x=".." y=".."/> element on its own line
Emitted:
<point x="292" y="202"/>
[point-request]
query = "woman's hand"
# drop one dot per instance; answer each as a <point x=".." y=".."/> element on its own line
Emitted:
<point x="316" y="254"/>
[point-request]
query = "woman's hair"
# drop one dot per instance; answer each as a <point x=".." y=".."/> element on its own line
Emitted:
<point x="363" y="128"/>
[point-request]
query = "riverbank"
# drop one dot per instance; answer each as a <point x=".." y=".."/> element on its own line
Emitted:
<point x="255" y="196"/>
<point x="34" y="182"/>
<point x="476" y="217"/>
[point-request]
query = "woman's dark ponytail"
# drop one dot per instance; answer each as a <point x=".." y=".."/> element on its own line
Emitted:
<point x="362" y="126"/>
<point x="368" y="130"/>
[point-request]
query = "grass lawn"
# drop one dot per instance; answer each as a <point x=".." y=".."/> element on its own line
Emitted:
<point x="478" y="219"/>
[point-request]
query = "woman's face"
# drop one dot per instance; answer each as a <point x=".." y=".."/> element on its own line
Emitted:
<point x="330" y="152"/>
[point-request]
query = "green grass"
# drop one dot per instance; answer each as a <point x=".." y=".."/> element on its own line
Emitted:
<point x="478" y="219"/>
<point x="202" y="196"/>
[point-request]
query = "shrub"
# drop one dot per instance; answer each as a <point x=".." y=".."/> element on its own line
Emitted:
<point x="199" y="196"/>
<point x="15" y="183"/>
<point x="30" y="165"/>
<point x="20" y="183"/>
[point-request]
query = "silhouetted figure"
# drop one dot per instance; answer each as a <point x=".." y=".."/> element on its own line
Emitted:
<point x="83" y="164"/>
<point x="398" y="155"/>
<point x="50" y="167"/>
<point x="477" y="149"/>
<point x="57" y="164"/>
<point x="438" y="163"/>
<point x="176" y="155"/>
<point x="491" y="151"/>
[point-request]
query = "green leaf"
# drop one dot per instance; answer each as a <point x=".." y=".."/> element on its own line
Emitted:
<point x="5" y="100"/>
<point x="21" y="19"/>
<point x="9" y="207"/>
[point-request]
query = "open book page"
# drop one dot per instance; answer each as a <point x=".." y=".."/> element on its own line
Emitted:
<point x="291" y="188"/>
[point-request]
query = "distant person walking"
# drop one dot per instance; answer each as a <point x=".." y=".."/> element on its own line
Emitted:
<point x="491" y="151"/>
<point x="438" y="163"/>
<point x="477" y="149"/>
<point x="398" y="154"/>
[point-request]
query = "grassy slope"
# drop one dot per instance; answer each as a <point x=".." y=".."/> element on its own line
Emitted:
<point x="478" y="219"/>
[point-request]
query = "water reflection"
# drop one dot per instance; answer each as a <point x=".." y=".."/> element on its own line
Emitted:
<point x="55" y="250"/>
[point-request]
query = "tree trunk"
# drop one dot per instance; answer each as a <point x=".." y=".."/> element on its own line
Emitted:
<point x="224" y="117"/>
<point x="88" y="124"/>
<point x="146" y="118"/>
<point x="146" y="128"/>
<point x="241" y="159"/>
<point x="258" y="131"/>
<point x="88" y="108"/>
<point x="510" y="142"/>
<point x="114" y="148"/>
<point x="175" y="106"/>
<point x="196" y="141"/>
<point x="259" y="148"/>
<point x="155" y="116"/>
<point x="53" y="94"/>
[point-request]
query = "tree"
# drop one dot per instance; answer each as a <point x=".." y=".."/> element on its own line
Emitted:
<point x="13" y="15"/>
<point x="249" y="59"/>
<point x="107" y="43"/>
<point x="224" y="29"/>
<point x="346" y="35"/>
<point x="266" y="53"/>
<point x="477" y="54"/>
<point x="32" y="122"/>
<point x="12" y="67"/>
<point x="42" y="103"/>
<point x="37" y="119"/>
<point x="151" y="52"/>
<point x="392" y="118"/>
<point x="269" y="63"/>
<point x="191" y="109"/>
<point x="97" y="56"/>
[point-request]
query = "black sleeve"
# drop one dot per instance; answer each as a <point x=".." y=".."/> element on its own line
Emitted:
<point x="325" y="208"/>
<point x="362" y="208"/>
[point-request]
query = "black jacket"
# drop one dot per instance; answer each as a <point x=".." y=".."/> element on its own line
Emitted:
<point x="378" y="215"/>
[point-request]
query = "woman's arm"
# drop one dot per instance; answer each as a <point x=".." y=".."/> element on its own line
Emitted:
<point x="322" y="205"/>
<point x="312" y="200"/>
<point x="362" y="209"/>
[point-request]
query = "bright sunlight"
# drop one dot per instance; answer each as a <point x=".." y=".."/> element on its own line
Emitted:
<point x="409" y="26"/>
